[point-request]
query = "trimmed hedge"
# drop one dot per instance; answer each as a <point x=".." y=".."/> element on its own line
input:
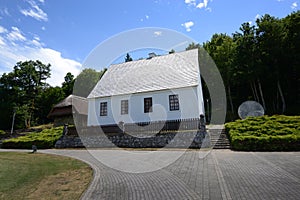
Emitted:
<point x="43" y="140"/>
<point x="266" y="133"/>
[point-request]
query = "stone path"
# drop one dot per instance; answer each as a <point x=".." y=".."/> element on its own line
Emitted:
<point x="217" y="174"/>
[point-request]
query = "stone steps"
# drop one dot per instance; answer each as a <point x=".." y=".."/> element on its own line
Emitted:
<point x="218" y="139"/>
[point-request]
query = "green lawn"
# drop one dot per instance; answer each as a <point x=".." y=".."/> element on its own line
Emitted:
<point x="41" y="176"/>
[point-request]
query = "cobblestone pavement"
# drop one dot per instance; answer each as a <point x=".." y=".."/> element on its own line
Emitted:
<point x="217" y="174"/>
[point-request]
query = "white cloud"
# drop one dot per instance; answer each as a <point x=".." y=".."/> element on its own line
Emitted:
<point x="60" y="66"/>
<point x="208" y="9"/>
<point x="43" y="28"/>
<point x="2" y="42"/>
<point x="200" y="5"/>
<point x="2" y="29"/>
<point x="16" y="47"/>
<point x="36" y="42"/>
<point x="35" y="11"/>
<point x="146" y="18"/>
<point x="203" y="4"/>
<point x="5" y="11"/>
<point x="15" y="35"/>
<point x="190" y="2"/>
<point x="188" y="25"/>
<point x="157" y="33"/>
<point x="294" y="5"/>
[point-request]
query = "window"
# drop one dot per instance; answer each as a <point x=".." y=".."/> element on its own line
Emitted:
<point x="174" y="102"/>
<point x="124" y="107"/>
<point x="147" y="105"/>
<point x="103" y="109"/>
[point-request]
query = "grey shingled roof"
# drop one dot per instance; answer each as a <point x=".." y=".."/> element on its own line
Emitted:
<point x="170" y="71"/>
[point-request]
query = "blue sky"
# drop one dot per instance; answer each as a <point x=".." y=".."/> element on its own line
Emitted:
<point x="64" y="32"/>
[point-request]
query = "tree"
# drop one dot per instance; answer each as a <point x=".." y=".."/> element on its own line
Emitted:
<point x="260" y="62"/>
<point x="68" y="84"/>
<point x="204" y="60"/>
<point x="128" y="58"/>
<point x="6" y="106"/>
<point x="270" y="33"/>
<point x="23" y="86"/>
<point x="193" y="46"/>
<point x="46" y="100"/>
<point x="248" y="61"/>
<point x="291" y="49"/>
<point x="171" y="51"/>
<point x="221" y="48"/>
<point x="86" y="81"/>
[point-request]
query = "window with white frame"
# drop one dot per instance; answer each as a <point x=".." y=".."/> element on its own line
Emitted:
<point x="173" y="102"/>
<point x="124" y="107"/>
<point x="103" y="109"/>
<point x="148" y="105"/>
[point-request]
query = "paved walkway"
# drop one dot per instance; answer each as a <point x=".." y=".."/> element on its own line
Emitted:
<point x="217" y="174"/>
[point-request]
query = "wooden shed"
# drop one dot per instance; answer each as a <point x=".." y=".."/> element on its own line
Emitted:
<point x="65" y="111"/>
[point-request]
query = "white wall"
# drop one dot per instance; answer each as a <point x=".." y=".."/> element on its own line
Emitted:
<point x="188" y="107"/>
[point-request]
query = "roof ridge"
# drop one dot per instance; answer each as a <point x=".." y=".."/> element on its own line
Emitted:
<point x="157" y="56"/>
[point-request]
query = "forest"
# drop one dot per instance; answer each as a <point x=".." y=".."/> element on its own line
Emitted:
<point x="258" y="62"/>
<point x="24" y="91"/>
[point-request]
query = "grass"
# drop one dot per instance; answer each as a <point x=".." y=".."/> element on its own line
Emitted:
<point x="41" y="176"/>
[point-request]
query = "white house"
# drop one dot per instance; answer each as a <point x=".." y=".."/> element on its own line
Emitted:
<point x="159" y="88"/>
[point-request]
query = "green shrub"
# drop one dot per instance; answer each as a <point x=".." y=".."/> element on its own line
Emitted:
<point x="267" y="133"/>
<point x="2" y="132"/>
<point x="43" y="140"/>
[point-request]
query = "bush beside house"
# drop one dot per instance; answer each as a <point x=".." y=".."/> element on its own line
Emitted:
<point x="44" y="139"/>
<point x="266" y="133"/>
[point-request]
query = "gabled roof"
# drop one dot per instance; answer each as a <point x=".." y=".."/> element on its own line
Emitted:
<point x="176" y="70"/>
<point x="64" y="107"/>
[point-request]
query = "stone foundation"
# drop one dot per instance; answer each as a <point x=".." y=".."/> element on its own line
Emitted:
<point x="172" y="134"/>
<point x="187" y="139"/>
<point x="69" y="141"/>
